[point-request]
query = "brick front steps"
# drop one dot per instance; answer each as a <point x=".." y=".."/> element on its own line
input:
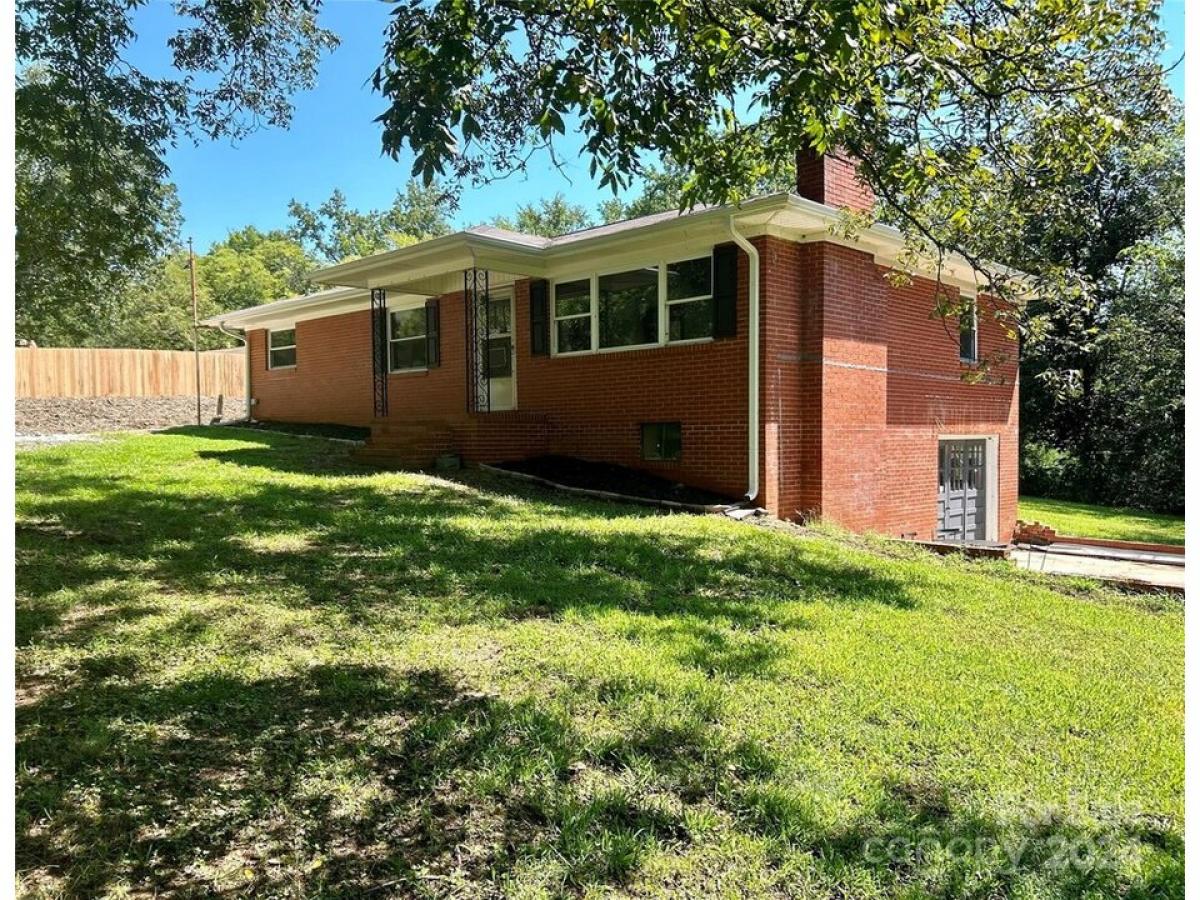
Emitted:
<point x="481" y="437"/>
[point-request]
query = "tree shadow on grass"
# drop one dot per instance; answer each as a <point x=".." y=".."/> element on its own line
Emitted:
<point x="343" y="779"/>
<point x="330" y="782"/>
<point x="358" y="550"/>
<point x="339" y="779"/>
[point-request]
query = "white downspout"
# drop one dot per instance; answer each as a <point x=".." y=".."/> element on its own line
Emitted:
<point x="245" y="339"/>
<point x="752" y="327"/>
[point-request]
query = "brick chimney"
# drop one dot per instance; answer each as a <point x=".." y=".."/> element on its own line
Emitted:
<point x="832" y="179"/>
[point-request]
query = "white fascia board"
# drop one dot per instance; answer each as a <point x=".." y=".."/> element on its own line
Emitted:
<point x="282" y="308"/>
<point x="460" y="250"/>
<point x="285" y="314"/>
<point x="806" y="221"/>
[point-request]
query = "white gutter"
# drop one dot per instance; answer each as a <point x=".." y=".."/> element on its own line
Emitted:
<point x="752" y="329"/>
<point x="220" y="326"/>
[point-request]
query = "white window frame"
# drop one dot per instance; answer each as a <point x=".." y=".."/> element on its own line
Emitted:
<point x="271" y="348"/>
<point x="593" y="314"/>
<point x="593" y="278"/>
<point x="424" y="336"/>
<point x="974" y="357"/>
<point x="665" y="325"/>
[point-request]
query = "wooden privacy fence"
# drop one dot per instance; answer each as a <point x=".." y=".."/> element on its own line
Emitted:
<point x="60" y="372"/>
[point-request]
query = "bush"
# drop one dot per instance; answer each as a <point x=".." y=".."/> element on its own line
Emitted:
<point x="1049" y="472"/>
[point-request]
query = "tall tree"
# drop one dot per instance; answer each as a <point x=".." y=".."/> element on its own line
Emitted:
<point x="155" y="311"/>
<point x="252" y="266"/>
<point x="93" y="206"/>
<point x="965" y="113"/>
<point x="1102" y="373"/>
<point x="334" y="231"/>
<point x="550" y="217"/>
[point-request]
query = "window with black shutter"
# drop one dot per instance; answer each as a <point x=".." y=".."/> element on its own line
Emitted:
<point x="433" y="333"/>
<point x="725" y="291"/>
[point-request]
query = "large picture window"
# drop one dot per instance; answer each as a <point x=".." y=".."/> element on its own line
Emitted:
<point x="661" y="303"/>
<point x="407" y="346"/>
<point x="282" y="349"/>
<point x="573" y="316"/>
<point x="689" y="299"/>
<point x="628" y="305"/>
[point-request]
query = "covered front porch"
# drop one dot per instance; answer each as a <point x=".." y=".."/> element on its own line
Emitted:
<point x="446" y="302"/>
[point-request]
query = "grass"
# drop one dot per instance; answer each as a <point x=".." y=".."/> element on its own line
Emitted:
<point x="1110" y="523"/>
<point x="247" y="665"/>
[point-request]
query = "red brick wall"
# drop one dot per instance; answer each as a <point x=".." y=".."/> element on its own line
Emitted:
<point x="589" y="406"/>
<point x="832" y="179"/>
<point x="857" y="381"/>
<point x="863" y="379"/>
<point x="596" y="402"/>
<point x="332" y="378"/>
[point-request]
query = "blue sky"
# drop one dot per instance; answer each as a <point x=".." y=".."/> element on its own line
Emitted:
<point x="333" y="141"/>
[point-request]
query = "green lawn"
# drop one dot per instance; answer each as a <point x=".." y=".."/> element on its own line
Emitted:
<point x="247" y="665"/>
<point x="1111" y="523"/>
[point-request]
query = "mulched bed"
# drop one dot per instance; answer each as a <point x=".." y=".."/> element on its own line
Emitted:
<point x="79" y="415"/>
<point x="598" y="476"/>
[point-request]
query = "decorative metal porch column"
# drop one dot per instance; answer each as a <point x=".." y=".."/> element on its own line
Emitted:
<point x="379" y="350"/>
<point x="475" y="296"/>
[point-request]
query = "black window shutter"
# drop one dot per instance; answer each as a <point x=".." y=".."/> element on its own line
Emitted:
<point x="725" y="291"/>
<point x="433" y="338"/>
<point x="539" y="317"/>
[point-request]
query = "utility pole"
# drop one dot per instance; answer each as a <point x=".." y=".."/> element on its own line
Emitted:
<point x="195" y="326"/>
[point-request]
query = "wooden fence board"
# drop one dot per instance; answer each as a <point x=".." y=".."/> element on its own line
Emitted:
<point x="73" y="372"/>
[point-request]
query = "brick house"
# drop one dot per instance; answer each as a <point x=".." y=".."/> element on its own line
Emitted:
<point x="753" y="350"/>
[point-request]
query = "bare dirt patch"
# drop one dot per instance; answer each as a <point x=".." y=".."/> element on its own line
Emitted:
<point x="80" y="415"/>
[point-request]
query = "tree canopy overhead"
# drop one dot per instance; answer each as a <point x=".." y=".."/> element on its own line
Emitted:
<point x="962" y="111"/>
<point x="94" y="207"/>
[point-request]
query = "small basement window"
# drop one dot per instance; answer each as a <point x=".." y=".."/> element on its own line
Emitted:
<point x="407" y="347"/>
<point x="968" y="334"/>
<point x="661" y="440"/>
<point x="282" y="349"/>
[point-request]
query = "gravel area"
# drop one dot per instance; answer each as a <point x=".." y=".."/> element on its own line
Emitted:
<point x="78" y="415"/>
